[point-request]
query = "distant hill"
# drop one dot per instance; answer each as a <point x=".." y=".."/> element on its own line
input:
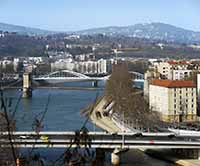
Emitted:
<point x="154" y="31"/>
<point x="158" y="31"/>
<point x="24" y="30"/>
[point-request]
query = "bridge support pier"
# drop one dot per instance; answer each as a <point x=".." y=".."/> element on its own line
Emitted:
<point x="100" y="157"/>
<point x="115" y="158"/>
<point x="27" y="90"/>
<point x="95" y="84"/>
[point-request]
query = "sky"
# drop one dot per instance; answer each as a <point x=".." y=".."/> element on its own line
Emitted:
<point x="72" y="15"/>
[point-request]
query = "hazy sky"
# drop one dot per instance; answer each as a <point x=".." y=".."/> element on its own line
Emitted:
<point x="66" y="15"/>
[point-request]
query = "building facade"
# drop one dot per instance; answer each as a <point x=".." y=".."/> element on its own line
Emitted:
<point x="101" y="66"/>
<point x="175" y="100"/>
<point x="174" y="70"/>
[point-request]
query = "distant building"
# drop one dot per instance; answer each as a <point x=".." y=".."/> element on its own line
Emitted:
<point x="15" y="64"/>
<point x="181" y="74"/>
<point x="63" y="64"/>
<point x="148" y="77"/>
<point x="198" y="86"/>
<point x="174" y="70"/>
<point x="175" y="100"/>
<point x="101" y="66"/>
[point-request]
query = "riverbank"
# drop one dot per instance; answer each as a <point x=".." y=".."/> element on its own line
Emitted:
<point x="56" y="88"/>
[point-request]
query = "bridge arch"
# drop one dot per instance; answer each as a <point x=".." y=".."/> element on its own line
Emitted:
<point x="65" y="73"/>
<point x="136" y="74"/>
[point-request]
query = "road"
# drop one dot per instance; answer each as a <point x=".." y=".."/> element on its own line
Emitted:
<point x="100" y="140"/>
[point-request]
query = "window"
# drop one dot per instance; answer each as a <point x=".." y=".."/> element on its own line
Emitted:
<point x="174" y="94"/>
<point x="192" y="105"/>
<point x="174" y="105"/>
<point x="186" y="94"/>
<point x="174" y="100"/>
<point x="192" y="100"/>
<point x="186" y="89"/>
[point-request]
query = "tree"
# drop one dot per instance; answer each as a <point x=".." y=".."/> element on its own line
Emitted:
<point x="119" y="86"/>
<point x="8" y="156"/>
<point x="128" y="100"/>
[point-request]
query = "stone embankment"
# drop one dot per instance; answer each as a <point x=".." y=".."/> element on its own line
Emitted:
<point x="105" y="122"/>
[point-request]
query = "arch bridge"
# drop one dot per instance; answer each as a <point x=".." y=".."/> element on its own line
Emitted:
<point x="72" y="76"/>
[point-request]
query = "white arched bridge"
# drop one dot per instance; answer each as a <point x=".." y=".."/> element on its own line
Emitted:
<point x="71" y="76"/>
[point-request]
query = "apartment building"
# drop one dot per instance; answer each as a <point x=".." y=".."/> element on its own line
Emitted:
<point x="174" y="70"/>
<point x="175" y="100"/>
<point x="101" y="66"/>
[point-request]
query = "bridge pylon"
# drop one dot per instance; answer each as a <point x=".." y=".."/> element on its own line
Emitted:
<point x="95" y="84"/>
<point x="115" y="158"/>
<point x="27" y="89"/>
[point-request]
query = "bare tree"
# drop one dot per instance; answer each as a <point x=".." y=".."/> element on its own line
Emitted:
<point x="119" y="88"/>
<point x="9" y="154"/>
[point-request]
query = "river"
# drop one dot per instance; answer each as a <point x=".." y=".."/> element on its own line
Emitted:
<point x="63" y="114"/>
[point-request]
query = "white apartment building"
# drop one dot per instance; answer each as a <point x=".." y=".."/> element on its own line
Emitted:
<point x="175" y="100"/>
<point x="63" y="64"/>
<point x="181" y="74"/>
<point x="101" y="66"/>
<point x="174" y="70"/>
<point x="198" y="86"/>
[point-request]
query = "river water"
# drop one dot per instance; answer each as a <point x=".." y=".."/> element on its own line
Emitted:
<point x="63" y="114"/>
<point x="63" y="110"/>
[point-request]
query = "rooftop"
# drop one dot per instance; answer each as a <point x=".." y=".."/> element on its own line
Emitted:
<point x="173" y="83"/>
<point x="178" y="62"/>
